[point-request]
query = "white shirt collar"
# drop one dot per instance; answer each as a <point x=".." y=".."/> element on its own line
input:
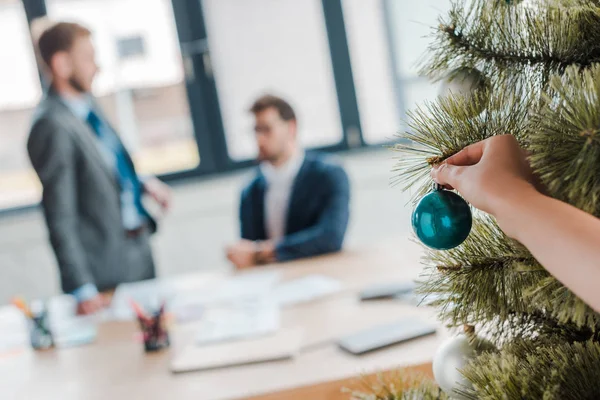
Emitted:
<point x="80" y="106"/>
<point x="284" y="173"/>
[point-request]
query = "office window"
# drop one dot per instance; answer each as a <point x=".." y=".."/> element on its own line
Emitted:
<point x="413" y="23"/>
<point x="20" y="91"/>
<point x="370" y="55"/>
<point x="141" y="82"/>
<point x="276" y="46"/>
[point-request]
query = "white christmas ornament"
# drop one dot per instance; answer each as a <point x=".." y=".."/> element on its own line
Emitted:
<point x="462" y="82"/>
<point x="452" y="356"/>
<point x="471" y="85"/>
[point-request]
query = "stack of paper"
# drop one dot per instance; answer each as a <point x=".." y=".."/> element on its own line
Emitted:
<point x="240" y="321"/>
<point x="74" y="332"/>
<point x="253" y="303"/>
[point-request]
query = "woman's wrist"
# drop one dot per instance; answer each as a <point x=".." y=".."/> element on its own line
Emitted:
<point x="509" y="208"/>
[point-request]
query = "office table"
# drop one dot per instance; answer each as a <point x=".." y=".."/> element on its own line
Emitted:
<point x="115" y="366"/>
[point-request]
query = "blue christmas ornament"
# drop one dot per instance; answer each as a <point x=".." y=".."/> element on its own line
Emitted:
<point x="442" y="220"/>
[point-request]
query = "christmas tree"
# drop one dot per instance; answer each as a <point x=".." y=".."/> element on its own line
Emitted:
<point x="533" y="68"/>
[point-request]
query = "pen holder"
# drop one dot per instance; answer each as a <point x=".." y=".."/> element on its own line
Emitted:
<point x="154" y="332"/>
<point x="39" y="332"/>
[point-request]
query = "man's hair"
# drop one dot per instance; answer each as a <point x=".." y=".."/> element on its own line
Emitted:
<point x="286" y="112"/>
<point x="59" y="37"/>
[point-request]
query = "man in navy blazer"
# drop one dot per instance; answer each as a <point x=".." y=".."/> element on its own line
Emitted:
<point x="297" y="205"/>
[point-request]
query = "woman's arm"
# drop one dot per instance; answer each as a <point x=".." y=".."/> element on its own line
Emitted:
<point x="564" y="239"/>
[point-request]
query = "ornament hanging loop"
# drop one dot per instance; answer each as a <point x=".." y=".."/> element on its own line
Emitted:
<point x="436" y="186"/>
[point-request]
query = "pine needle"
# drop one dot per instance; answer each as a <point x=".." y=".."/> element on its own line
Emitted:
<point x="398" y="385"/>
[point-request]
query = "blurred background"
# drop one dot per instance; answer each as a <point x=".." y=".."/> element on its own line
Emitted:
<point x="177" y="78"/>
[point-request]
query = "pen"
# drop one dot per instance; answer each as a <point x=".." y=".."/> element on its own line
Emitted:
<point x="138" y="310"/>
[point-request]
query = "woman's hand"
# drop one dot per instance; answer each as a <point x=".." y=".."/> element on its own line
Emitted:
<point x="488" y="174"/>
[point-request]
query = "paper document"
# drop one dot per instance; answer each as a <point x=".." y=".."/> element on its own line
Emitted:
<point x="14" y="331"/>
<point x="305" y="289"/>
<point x="243" y="320"/>
<point x="187" y="301"/>
<point x="239" y="287"/>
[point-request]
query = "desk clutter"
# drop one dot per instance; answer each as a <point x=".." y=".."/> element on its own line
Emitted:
<point x="231" y="336"/>
<point x="219" y="321"/>
<point x="222" y="309"/>
<point x="45" y="326"/>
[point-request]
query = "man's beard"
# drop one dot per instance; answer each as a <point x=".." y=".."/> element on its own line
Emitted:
<point x="271" y="158"/>
<point x="75" y="84"/>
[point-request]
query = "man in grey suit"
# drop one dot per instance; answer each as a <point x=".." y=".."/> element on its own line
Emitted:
<point x="98" y="227"/>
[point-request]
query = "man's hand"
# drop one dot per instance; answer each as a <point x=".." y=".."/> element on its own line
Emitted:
<point x="246" y="253"/>
<point x="265" y="252"/>
<point x="242" y="254"/>
<point x="160" y="192"/>
<point x="93" y="305"/>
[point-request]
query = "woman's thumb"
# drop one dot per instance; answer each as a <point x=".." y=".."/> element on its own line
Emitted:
<point x="446" y="174"/>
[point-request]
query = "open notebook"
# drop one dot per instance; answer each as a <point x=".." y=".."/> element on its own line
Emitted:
<point x="282" y="345"/>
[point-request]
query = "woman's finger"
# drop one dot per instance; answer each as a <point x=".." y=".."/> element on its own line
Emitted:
<point x="470" y="155"/>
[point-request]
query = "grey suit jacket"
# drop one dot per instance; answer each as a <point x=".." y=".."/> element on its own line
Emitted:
<point x="81" y="203"/>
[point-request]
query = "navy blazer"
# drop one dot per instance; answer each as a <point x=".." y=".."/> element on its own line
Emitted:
<point x="317" y="215"/>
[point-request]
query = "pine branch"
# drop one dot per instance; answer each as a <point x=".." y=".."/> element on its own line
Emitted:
<point x="560" y="61"/>
<point x="563" y="305"/>
<point x="531" y="325"/>
<point x="494" y="283"/>
<point x="565" y="139"/>
<point x="439" y="129"/>
<point x="517" y="46"/>
<point x="537" y="369"/>
<point x="483" y="279"/>
<point x="399" y="385"/>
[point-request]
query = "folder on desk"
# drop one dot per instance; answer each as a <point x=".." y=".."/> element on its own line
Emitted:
<point x="282" y="345"/>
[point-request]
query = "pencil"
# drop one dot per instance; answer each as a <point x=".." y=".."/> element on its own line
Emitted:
<point x="21" y="305"/>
